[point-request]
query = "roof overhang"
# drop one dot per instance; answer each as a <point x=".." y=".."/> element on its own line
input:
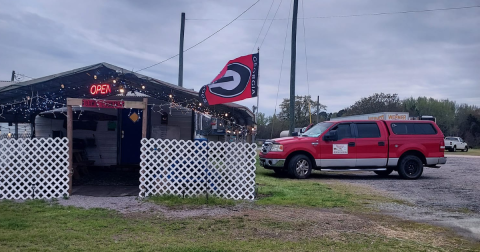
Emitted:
<point x="24" y="100"/>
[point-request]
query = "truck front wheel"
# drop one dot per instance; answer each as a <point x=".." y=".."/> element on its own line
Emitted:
<point x="410" y="167"/>
<point x="300" y="167"/>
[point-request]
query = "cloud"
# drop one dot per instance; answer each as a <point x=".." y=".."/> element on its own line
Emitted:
<point x="433" y="54"/>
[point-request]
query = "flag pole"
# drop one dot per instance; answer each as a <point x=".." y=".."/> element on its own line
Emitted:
<point x="258" y="88"/>
<point x="258" y="97"/>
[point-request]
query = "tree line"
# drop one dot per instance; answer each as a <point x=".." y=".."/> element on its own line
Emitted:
<point x="454" y="119"/>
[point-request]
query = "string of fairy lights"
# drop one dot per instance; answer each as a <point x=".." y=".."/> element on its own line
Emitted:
<point x="52" y="101"/>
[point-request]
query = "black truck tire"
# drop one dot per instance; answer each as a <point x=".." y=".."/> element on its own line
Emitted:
<point x="300" y="167"/>
<point x="410" y="167"/>
<point x="384" y="173"/>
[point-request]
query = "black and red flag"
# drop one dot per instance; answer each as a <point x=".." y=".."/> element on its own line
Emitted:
<point x="237" y="81"/>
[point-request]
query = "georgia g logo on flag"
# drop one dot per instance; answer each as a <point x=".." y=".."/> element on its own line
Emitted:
<point x="237" y="81"/>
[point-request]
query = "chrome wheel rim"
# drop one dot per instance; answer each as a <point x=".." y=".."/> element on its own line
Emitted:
<point x="302" y="167"/>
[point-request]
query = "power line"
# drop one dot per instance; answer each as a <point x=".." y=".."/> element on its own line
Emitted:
<point x="23" y="75"/>
<point x="281" y="69"/>
<point x="306" y="60"/>
<point x="268" y="13"/>
<point x="354" y="15"/>
<point x="271" y="23"/>
<point x="201" y="40"/>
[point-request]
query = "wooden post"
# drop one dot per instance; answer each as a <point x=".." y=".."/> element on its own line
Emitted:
<point x="145" y="117"/>
<point x="70" y="147"/>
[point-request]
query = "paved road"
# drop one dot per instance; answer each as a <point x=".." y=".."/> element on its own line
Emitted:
<point x="448" y="196"/>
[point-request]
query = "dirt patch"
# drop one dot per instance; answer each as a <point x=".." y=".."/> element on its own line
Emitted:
<point x="286" y="223"/>
<point x="132" y="205"/>
<point x="447" y="197"/>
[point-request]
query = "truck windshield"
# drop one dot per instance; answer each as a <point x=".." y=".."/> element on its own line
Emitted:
<point x="451" y="139"/>
<point x="317" y="130"/>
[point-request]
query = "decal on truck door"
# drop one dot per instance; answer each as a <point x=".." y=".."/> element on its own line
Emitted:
<point x="340" y="149"/>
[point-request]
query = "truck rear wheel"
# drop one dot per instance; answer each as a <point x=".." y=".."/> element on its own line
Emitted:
<point x="410" y="167"/>
<point x="300" y="167"/>
<point x="384" y="173"/>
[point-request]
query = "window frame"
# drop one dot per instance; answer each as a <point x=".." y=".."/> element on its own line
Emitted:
<point x="357" y="135"/>
<point x="352" y="129"/>
<point x="415" y="133"/>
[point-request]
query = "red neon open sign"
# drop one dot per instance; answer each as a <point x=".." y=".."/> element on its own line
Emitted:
<point x="100" y="89"/>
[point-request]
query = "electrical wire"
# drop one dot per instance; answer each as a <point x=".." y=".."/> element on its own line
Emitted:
<point x="268" y="13"/>
<point x="23" y="75"/>
<point x="271" y="23"/>
<point x="357" y="15"/>
<point x="281" y="69"/>
<point x="306" y="61"/>
<point x="201" y="40"/>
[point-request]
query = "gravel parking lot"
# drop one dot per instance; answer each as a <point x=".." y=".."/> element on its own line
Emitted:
<point x="448" y="196"/>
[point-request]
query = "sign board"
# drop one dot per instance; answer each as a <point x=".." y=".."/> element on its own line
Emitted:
<point x="97" y="89"/>
<point x="340" y="149"/>
<point x="89" y="103"/>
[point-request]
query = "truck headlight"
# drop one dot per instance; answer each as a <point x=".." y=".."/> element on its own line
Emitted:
<point x="277" y="147"/>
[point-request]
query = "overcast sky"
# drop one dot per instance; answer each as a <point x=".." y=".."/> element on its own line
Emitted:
<point x="433" y="54"/>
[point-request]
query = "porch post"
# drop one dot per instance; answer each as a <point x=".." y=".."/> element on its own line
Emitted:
<point x="16" y="126"/>
<point x="70" y="147"/>
<point x="145" y="118"/>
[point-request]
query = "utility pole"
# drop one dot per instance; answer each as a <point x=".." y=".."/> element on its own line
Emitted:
<point x="13" y="75"/>
<point x="318" y="107"/>
<point x="180" y="58"/>
<point x="292" y="67"/>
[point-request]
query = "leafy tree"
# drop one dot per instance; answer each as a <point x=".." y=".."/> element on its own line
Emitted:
<point x="262" y="126"/>
<point x="374" y="104"/>
<point x="262" y="119"/>
<point x="304" y="107"/>
<point x="456" y="120"/>
<point x="468" y="124"/>
<point x="443" y="110"/>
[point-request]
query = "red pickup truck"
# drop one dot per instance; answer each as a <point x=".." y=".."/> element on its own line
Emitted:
<point x="379" y="146"/>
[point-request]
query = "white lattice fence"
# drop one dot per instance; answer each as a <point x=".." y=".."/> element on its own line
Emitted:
<point x="33" y="168"/>
<point x="187" y="168"/>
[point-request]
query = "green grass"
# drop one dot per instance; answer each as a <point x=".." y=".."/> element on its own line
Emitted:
<point x="273" y="190"/>
<point x="46" y="226"/>
<point x="43" y="226"/>
<point x="202" y="200"/>
<point x="470" y="152"/>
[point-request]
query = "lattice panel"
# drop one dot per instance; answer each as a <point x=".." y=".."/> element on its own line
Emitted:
<point x="33" y="168"/>
<point x="187" y="168"/>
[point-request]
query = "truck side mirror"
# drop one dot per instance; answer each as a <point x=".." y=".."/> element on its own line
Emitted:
<point x="331" y="136"/>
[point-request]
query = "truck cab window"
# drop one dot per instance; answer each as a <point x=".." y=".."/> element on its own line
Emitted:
<point x="343" y="131"/>
<point x="368" y="130"/>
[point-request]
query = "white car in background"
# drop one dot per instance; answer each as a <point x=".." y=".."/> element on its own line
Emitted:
<point x="455" y="143"/>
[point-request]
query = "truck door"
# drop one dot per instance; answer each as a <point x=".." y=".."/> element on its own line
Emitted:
<point x="371" y="144"/>
<point x="340" y="153"/>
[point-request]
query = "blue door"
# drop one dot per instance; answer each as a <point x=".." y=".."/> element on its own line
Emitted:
<point x="130" y="136"/>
